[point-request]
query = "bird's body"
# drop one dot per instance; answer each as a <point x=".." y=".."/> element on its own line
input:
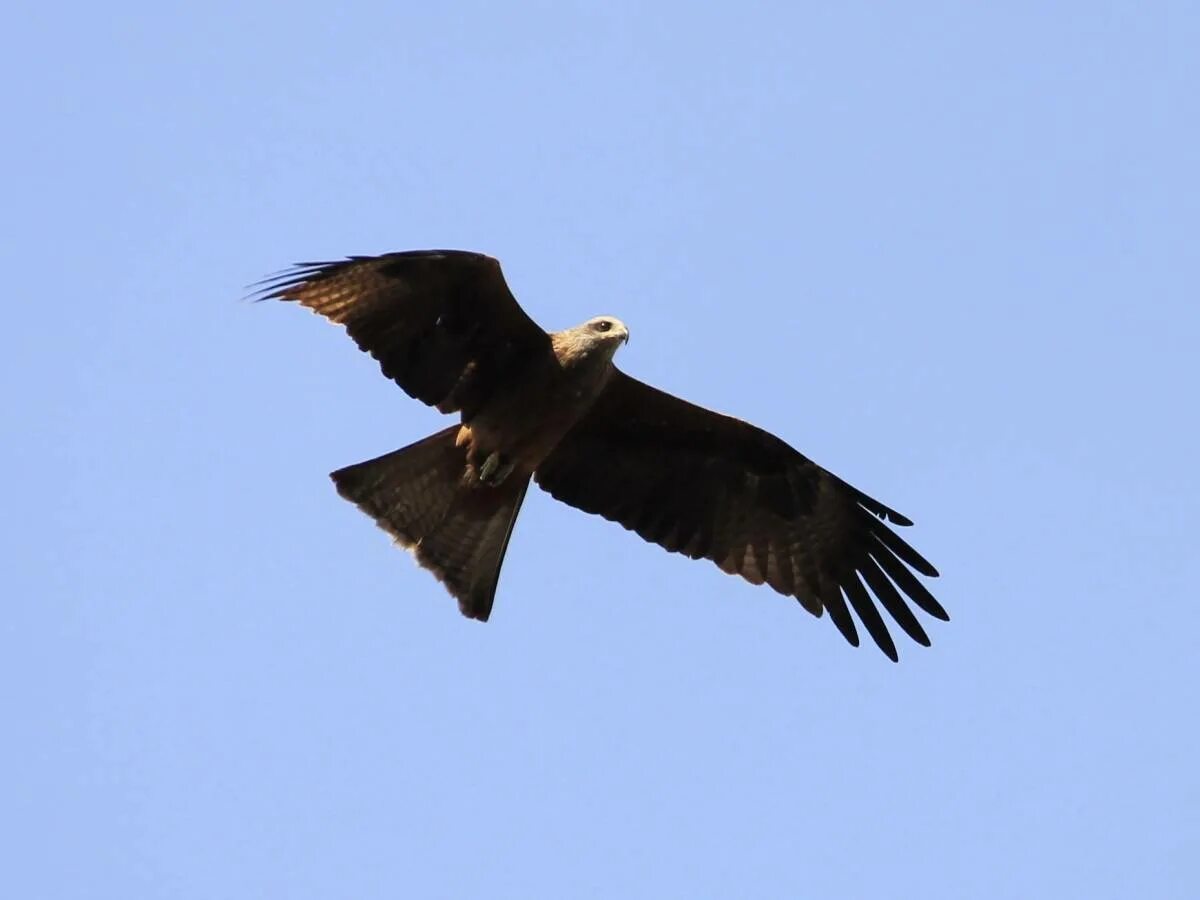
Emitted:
<point x="553" y="408"/>
<point x="524" y="424"/>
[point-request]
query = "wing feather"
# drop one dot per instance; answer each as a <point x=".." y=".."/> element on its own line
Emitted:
<point x="441" y="323"/>
<point x="708" y="485"/>
<point x="893" y="602"/>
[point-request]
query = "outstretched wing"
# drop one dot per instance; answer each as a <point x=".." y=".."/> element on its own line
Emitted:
<point x="707" y="485"/>
<point x="442" y="323"/>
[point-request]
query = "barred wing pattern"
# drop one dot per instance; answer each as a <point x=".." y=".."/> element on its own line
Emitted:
<point x="710" y="486"/>
<point x="442" y="323"/>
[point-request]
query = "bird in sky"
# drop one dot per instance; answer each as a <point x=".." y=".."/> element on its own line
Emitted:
<point x="552" y="408"/>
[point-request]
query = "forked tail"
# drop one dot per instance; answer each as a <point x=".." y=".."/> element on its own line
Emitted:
<point x="456" y="530"/>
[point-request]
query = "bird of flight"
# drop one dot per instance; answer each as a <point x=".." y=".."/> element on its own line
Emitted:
<point x="553" y="408"/>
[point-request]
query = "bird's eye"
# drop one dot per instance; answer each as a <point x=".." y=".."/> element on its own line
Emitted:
<point x="603" y="325"/>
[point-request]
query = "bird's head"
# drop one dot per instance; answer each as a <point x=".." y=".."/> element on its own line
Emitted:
<point x="606" y="331"/>
<point x="595" y="340"/>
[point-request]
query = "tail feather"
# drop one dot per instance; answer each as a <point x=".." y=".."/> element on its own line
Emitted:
<point x="466" y="550"/>
<point x="457" y="530"/>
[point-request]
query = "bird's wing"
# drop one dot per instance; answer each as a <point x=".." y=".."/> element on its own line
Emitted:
<point x="442" y="323"/>
<point x="707" y="485"/>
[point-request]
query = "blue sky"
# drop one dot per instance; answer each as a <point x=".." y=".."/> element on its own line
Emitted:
<point x="946" y="250"/>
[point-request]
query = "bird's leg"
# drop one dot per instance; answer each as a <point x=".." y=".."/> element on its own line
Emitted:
<point x="495" y="469"/>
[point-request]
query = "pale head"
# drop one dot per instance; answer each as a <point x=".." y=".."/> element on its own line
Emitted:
<point x="596" y="339"/>
<point x="606" y="330"/>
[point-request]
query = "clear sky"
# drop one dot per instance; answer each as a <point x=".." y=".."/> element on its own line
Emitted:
<point x="946" y="250"/>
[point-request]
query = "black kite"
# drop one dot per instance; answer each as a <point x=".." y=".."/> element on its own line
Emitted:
<point x="445" y="327"/>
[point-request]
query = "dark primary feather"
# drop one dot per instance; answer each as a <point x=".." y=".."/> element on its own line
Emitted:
<point x="442" y="323"/>
<point x="707" y="485"/>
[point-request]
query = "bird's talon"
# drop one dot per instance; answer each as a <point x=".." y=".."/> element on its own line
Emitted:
<point x="494" y="469"/>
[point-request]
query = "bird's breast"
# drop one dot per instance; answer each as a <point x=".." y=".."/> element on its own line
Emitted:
<point x="526" y="422"/>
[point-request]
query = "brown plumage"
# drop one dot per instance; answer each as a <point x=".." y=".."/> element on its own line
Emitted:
<point x="444" y="326"/>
